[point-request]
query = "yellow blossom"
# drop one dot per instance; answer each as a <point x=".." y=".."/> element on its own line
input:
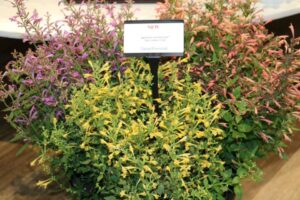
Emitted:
<point x="200" y="134"/>
<point x="156" y="134"/>
<point x="124" y="172"/>
<point x="143" y="194"/>
<point x="44" y="183"/>
<point x="147" y="169"/>
<point x="122" y="193"/>
<point x="205" y="164"/>
<point x="167" y="147"/>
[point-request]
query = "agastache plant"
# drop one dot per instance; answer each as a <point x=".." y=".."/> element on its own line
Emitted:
<point x="255" y="75"/>
<point x="37" y="84"/>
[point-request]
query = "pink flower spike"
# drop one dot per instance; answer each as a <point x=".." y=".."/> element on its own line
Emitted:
<point x="292" y="30"/>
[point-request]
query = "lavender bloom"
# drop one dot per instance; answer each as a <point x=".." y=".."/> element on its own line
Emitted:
<point x="59" y="114"/>
<point x="76" y="75"/>
<point x="28" y="82"/>
<point x="50" y="101"/>
<point x="21" y="121"/>
<point x="84" y="56"/>
<point x="33" y="114"/>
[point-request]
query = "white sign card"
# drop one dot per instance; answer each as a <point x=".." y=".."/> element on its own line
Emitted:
<point x="154" y="38"/>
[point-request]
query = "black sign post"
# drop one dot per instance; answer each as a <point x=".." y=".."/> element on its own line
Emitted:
<point x="153" y="39"/>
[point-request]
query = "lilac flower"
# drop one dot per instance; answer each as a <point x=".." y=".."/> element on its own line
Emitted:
<point x="33" y="114"/>
<point x="84" y="56"/>
<point x="21" y="121"/>
<point x="76" y="75"/>
<point x="28" y="82"/>
<point x="50" y="101"/>
<point x="39" y="76"/>
<point x="59" y="114"/>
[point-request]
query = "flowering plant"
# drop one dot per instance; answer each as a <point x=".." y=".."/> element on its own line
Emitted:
<point x="39" y="82"/>
<point x="254" y="74"/>
<point x="123" y="149"/>
<point x="232" y="99"/>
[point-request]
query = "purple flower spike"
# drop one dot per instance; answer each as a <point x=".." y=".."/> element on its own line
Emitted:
<point x="76" y="75"/>
<point x="59" y="114"/>
<point x="28" y="82"/>
<point x="33" y="114"/>
<point x="50" y="101"/>
<point x="21" y="121"/>
<point x="84" y="56"/>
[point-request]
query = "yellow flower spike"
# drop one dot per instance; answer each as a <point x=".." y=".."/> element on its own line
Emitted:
<point x="86" y="126"/>
<point x="83" y="145"/>
<point x="154" y="185"/>
<point x="158" y="100"/>
<point x="122" y="193"/>
<point x="87" y="75"/>
<point x="131" y="149"/>
<point x="200" y="134"/>
<point x="156" y="196"/>
<point x="184" y="185"/>
<point x="124" y="158"/>
<point x="206" y="123"/>
<point x="147" y="169"/>
<point x="103" y="141"/>
<point x="103" y="133"/>
<point x="143" y="194"/>
<point x="44" y="183"/>
<point x="132" y="111"/>
<point x="54" y="121"/>
<point x="187" y="109"/>
<point x="205" y="164"/>
<point x="153" y="162"/>
<point x="216" y="131"/>
<point x="167" y="147"/>
<point x="156" y="134"/>
<point x="183" y="139"/>
<point x="142" y="173"/>
<point x="95" y="109"/>
<point x="162" y="125"/>
<point x="32" y="163"/>
<point x="177" y="163"/>
<point x="219" y="148"/>
<point x="124" y="172"/>
<point x="168" y="169"/>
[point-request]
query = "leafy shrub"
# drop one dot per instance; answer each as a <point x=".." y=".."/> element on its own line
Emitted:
<point x="254" y="74"/>
<point x="104" y="139"/>
<point x="113" y="145"/>
<point x="38" y="83"/>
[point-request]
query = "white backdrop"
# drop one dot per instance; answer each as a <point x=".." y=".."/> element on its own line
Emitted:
<point x="273" y="9"/>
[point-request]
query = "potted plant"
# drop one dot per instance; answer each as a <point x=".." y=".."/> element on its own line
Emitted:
<point x="233" y="98"/>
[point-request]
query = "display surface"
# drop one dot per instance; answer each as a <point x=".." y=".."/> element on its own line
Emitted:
<point x="154" y="38"/>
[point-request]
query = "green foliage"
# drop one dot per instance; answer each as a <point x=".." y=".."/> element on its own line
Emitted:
<point x="255" y="75"/>
<point x="114" y="146"/>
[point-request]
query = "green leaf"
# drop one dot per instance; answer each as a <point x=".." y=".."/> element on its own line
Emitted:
<point x="241" y="106"/>
<point x="244" y="127"/>
<point x="237" y="135"/>
<point x="238" y="190"/>
<point x="110" y="198"/>
<point x="237" y="92"/>
<point x="230" y="82"/>
<point x="242" y="172"/>
<point x="160" y="189"/>
<point x="227" y="116"/>
<point x="238" y="118"/>
<point x="21" y="150"/>
<point x="236" y="180"/>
